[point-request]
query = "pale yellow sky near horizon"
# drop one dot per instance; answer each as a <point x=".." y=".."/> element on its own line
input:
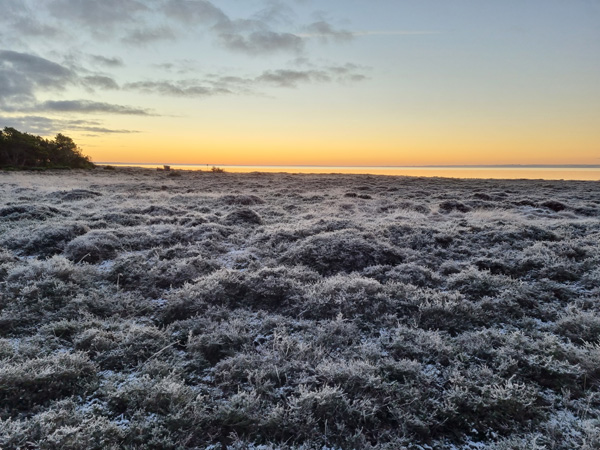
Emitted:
<point x="354" y="143"/>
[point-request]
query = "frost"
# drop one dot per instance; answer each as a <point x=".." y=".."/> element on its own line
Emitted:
<point x="297" y="312"/>
<point x="106" y="266"/>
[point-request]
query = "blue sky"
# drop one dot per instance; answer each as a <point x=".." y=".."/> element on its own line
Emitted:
<point x="307" y="82"/>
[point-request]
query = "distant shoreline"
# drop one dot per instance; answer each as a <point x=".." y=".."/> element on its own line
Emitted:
<point x="435" y="166"/>
<point x="535" y="172"/>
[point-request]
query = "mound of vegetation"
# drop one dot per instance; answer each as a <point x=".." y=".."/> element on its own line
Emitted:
<point x="23" y="150"/>
<point x="273" y="311"/>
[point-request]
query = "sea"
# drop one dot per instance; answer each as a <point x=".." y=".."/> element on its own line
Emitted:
<point x="537" y="172"/>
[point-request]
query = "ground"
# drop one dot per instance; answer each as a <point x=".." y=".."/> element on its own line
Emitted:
<point x="145" y="309"/>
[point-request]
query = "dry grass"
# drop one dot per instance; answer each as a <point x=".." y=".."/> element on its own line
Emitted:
<point x="217" y="310"/>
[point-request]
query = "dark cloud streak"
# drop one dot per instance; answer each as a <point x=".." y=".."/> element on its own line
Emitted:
<point x="259" y="42"/>
<point x="107" y="62"/>
<point x="189" y="88"/>
<point x="101" y="82"/>
<point x="292" y="78"/>
<point x="90" y="107"/>
<point x="194" y="12"/>
<point x="47" y="126"/>
<point x="144" y="36"/>
<point x="103" y="130"/>
<point x="212" y="85"/>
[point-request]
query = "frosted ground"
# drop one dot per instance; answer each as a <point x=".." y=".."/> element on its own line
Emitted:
<point x="144" y="309"/>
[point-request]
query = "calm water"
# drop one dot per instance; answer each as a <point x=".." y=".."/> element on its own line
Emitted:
<point x="498" y="172"/>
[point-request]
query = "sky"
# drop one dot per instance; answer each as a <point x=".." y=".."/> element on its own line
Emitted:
<point x="288" y="82"/>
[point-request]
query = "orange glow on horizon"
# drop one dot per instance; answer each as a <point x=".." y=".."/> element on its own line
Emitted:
<point x="346" y="141"/>
<point x="365" y="152"/>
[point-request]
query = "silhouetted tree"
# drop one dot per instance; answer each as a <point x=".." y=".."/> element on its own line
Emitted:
<point x="22" y="150"/>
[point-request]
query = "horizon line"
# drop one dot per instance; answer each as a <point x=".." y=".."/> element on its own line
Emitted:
<point x="491" y="166"/>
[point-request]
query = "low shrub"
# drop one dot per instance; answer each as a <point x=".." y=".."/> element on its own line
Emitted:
<point x="245" y="200"/>
<point x="220" y="340"/>
<point x="37" y="381"/>
<point x="153" y="277"/>
<point x="408" y="273"/>
<point x="347" y="296"/>
<point x="579" y="326"/>
<point x="341" y="251"/>
<point x="48" y="240"/>
<point x="269" y="288"/>
<point x="243" y="216"/>
<point x="476" y="284"/>
<point x="78" y="194"/>
<point x="93" y="247"/>
<point x="163" y="396"/>
<point x="42" y="291"/>
<point x="453" y="205"/>
<point x="120" y="346"/>
<point x="554" y="205"/>
<point x="29" y="212"/>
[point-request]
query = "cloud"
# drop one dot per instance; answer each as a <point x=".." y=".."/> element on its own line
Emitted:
<point x="31" y="124"/>
<point x="46" y="126"/>
<point x="103" y="130"/>
<point x="272" y="29"/>
<point x="275" y="12"/>
<point x="212" y="85"/>
<point x="181" y="66"/>
<point x="17" y="19"/>
<point x="100" y="81"/>
<point x="394" y="32"/>
<point x="194" y="12"/>
<point x="253" y="36"/>
<point x="12" y="9"/>
<point x="143" y="36"/>
<point x="325" y="32"/>
<point x="107" y="62"/>
<point x="188" y="88"/>
<point x="96" y="14"/>
<point x="21" y="74"/>
<point x="259" y="42"/>
<point x="348" y="72"/>
<point x="291" y="78"/>
<point x="29" y="26"/>
<point x="89" y="107"/>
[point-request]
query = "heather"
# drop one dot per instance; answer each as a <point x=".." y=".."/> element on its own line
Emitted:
<point x="168" y="310"/>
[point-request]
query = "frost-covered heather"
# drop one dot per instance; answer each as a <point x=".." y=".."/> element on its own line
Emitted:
<point x="143" y="309"/>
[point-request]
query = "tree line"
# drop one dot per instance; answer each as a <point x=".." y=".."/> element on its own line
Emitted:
<point x="24" y="150"/>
